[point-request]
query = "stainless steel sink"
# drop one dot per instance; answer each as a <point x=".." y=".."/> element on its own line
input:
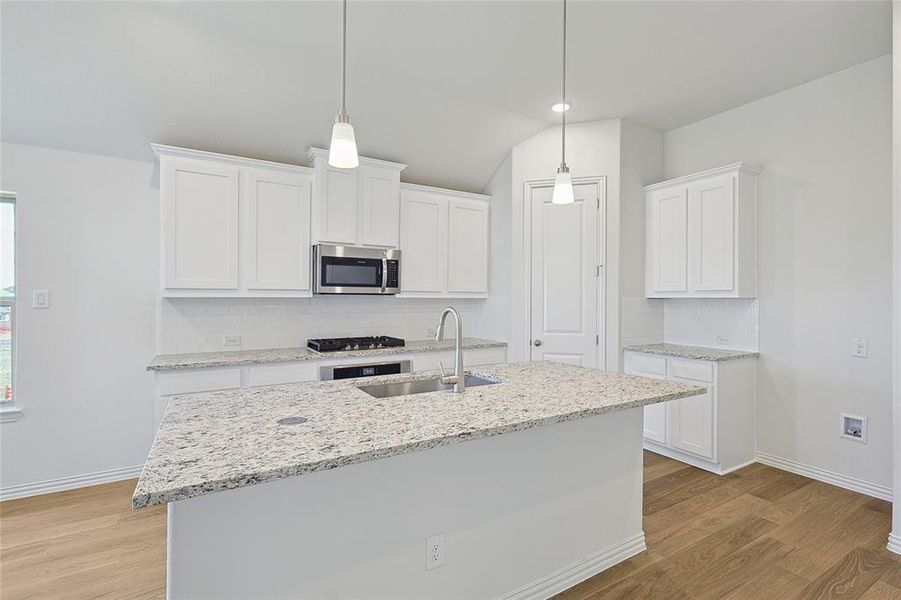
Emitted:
<point x="406" y="388"/>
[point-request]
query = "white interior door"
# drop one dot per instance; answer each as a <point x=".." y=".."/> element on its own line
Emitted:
<point x="565" y="265"/>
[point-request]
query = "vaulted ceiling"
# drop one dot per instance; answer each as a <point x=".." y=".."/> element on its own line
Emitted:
<point x="447" y="87"/>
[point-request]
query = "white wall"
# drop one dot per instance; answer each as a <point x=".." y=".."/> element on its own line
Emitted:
<point x="641" y="165"/>
<point x="824" y="259"/>
<point x="87" y="232"/>
<point x="895" y="539"/>
<point x="592" y="149"/>
<point x="495" y="311"/>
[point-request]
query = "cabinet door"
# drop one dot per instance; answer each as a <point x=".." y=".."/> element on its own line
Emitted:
<point x="655" y="422"/>
<point x="199" y="225"/>
<point x="276" y="234"/>
<point x="692" y="421"/>
<point x="467" y="246"/>
<point x="711" y="228"/>
<point x="423" y="242"/>
<point x="337" y="206"/>
<point x="379" y="206"/>
<point x="667" y="238"/>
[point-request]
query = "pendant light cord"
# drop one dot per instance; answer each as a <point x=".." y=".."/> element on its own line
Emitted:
<point x="563" y="114"/>
<point x="344" y="58"/>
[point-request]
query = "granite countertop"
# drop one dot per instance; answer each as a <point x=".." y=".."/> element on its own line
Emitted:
<point x="217" y="441"/>
<point x="238" y="358"/>
<point x="693" y="352"/>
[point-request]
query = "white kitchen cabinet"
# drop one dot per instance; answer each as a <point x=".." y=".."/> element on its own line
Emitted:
<point x="233" y="226"/>
<point x="701" y="235"/>
<point x="356" y="207"/>
<point x="444" y="243"/>
<point x="715" y="430"/>
<point x="667" y="249"/>
<point x="199" y="224"/>
<point x="423" y="241"/>
<point x="467" y="246"/>
<point x="277" y="232"/>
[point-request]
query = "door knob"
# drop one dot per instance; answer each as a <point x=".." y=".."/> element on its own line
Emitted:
<point x="537" y="342"/>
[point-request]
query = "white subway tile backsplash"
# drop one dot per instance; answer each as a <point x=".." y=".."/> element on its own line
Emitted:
<point x="199" y="324"/>
<point x="699" y="322"/>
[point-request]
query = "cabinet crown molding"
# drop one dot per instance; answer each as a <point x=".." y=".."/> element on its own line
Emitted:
<point x="429" y="188"/>
<point x="163" y="151"/>
<point x="733" y="168"/>
<point x="321" y="154"/>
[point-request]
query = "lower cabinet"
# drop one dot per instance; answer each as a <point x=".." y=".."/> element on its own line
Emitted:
<point x="173" y="383"/>
<point x="715" y="430"/>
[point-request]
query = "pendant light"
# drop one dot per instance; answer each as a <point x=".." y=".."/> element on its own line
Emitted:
<point x="342" y="152"/>
<point x="563" y="182"/>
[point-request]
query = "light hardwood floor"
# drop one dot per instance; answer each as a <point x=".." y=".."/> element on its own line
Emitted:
<point x="758" y="533"/>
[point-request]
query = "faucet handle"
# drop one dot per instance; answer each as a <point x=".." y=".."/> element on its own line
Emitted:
<point x="441" y="367"/>
<point x="445" y="378"/>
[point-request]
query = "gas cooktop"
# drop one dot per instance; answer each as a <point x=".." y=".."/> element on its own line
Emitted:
<point x="353" y="343"/>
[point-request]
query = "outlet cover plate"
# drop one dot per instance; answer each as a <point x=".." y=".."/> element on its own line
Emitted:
<point x="231" y="340"/>
<point x="434" y="552"/>
<point x="859" y="348"/>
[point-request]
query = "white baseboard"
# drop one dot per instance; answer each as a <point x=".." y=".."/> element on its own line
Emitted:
<point x="579" y="571"/>
<point x="695" y="461"/>
<point x="894" y="543"/>
<point x="843" y="481"/>
<point x="68" y="483"/>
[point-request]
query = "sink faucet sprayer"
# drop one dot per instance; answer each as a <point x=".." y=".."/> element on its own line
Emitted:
<point x="458" y="379"/>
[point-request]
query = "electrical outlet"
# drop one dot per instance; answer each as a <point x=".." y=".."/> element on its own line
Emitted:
<point x="231" y="340"/>
<point x="859" y="348"/>
<point x="40" y="299"/>
<point x="723" y="339"/>
<point x="434" y="552"/>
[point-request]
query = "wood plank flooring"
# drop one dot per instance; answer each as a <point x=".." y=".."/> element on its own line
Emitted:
<point x="758" y="533"/>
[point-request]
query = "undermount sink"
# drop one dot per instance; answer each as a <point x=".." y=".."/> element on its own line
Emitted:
<point x="406" y="388"/>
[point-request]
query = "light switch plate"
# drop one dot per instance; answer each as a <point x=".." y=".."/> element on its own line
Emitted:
<point x="859" y="348"/>
<point x="40" y="299"/>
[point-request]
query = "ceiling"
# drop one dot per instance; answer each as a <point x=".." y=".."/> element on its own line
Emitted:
<point x="447" y="87"/>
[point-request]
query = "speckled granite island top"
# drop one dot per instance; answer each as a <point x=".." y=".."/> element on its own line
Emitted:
<point x="239" y="358"/>
<point x="217" y="441"/>
<point x="693" y="352"/>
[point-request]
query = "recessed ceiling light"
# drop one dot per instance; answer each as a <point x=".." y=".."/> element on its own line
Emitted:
<point x="561" y="106"/>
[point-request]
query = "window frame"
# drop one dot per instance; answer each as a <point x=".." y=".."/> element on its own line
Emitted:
<point x="9" y="409"/>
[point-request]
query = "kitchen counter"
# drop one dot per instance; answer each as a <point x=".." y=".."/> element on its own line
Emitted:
<point x="692" y="352"/>
<point x="218" y="441"/>
<point x="237" y="358"/>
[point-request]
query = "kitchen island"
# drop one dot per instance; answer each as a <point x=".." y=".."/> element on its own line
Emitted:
<point x="527" y="485"/>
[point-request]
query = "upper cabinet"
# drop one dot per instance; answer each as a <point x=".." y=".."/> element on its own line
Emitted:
<point x="443" y="242"/>
<point x="233" y="226"/>
<point x="356" y="207"/>
<point x="701" y="237"/>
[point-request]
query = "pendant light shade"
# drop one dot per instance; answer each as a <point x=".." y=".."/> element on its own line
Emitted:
<point x="563" y="187"/>
<point x="342" y="153"/>
<point x="563" y="182"/>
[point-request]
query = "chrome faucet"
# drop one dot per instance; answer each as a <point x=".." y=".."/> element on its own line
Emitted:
<point x="458" y="379"/>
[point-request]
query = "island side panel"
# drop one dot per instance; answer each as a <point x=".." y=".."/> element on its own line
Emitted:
<point x="526" y="513"/>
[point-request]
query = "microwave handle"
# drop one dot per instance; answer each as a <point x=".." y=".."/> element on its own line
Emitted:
<point x="384" y="274"/>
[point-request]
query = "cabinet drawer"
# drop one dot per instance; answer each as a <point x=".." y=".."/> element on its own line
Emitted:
<point x="484" y="356"/>
<point x="279" y="374"/>
<point x="207" y="380"/>
<point x="645" y="364"/>
<point x="690" y="369"/>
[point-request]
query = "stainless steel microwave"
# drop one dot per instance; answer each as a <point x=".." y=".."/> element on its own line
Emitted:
<point x="352" y="270"/>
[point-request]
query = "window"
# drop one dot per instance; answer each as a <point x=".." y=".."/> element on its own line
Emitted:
<point x="8" y="408"/>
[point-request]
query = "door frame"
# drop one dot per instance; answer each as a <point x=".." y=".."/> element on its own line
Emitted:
<point x="600" y="259"/>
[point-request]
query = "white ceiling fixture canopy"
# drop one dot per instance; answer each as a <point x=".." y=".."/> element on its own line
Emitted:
<point x="343" y="148"/>
<point x="563" y="182"/>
